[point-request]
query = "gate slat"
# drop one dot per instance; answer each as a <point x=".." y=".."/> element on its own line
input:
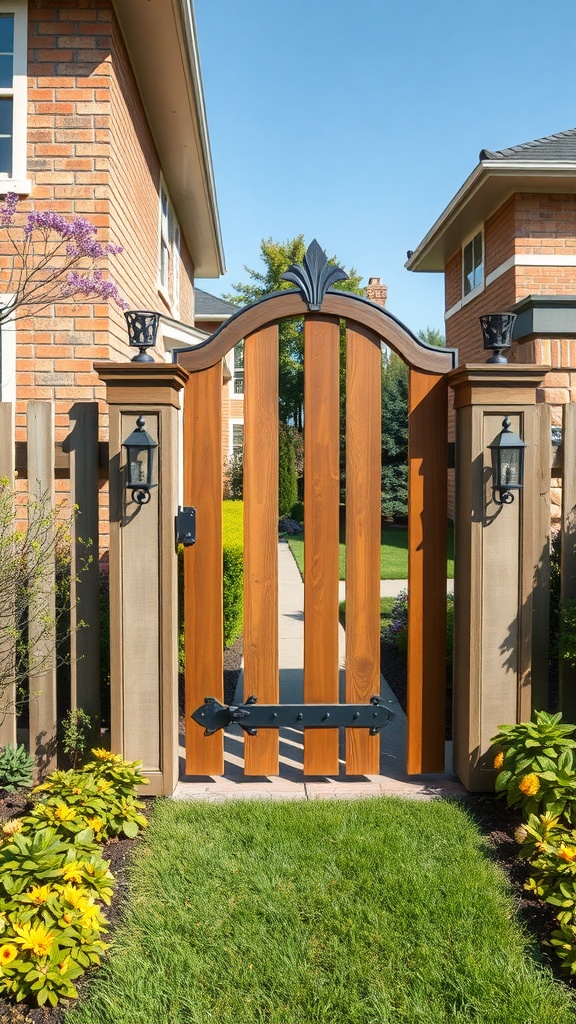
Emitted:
<point x="363" y="504"/>
<point x="261" y="540"/>
<point x="203" y="613"/>
<point x="321" y="500"/>
<point x="427" y="542"/>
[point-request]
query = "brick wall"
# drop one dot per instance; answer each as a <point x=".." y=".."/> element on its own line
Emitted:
<point x="90" y="154"/>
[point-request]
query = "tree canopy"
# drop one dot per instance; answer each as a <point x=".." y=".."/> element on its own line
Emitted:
<point x="276" y="257"/>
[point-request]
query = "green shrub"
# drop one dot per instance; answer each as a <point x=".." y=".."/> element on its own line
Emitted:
<point x="287" y="479"/>
<point x="297" y="511"/>
<point x="16" y="768"/>
<point x="233" y="569"/>
<point x="535" y="766"/>
<point x="76" y="732"/>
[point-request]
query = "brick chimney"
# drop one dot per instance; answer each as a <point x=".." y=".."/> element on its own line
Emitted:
<point x="376" y="291"/>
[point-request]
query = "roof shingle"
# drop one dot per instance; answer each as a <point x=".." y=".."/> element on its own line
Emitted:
<point x="558" y="148"/>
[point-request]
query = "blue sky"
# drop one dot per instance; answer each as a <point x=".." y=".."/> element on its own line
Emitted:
<point x="356" y="123"/>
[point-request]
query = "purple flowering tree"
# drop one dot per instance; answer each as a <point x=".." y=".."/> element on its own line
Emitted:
<point x="52" y="259"/>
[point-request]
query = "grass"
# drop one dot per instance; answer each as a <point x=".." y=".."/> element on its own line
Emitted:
<point x="375" y="911"/>
<point x="393" y="554"/>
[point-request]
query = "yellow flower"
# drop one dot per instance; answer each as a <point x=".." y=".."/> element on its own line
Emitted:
<point x="73" y="872"/>
<point x="96" y="823"/>
<point x="567" y="852"/>
<point x="8" y="953"/>
<point x="65" y="813"/>
<point x="499" y="760"/>
<point x="35" y="937"/>
<point x="105" y="755"/>
<point x="90" y="915"/>
<point x="75" y="897"/>
<point x="40" y="894"/>
<point x="12" y="826"/>
<point x="103" y="785"/>
<point x="529" y="785"/>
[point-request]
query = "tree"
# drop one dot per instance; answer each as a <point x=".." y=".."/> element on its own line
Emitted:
<point x="430" y="336"/>
<point x="394" y="436"/>
<point x="276" y="258"/>
<point x="52" y="259"/>
<point x="287" y="483"/>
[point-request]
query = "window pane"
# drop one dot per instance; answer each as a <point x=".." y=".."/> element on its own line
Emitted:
<point x="239" y="382"/>
<point x="478" y="270"/>
<point x="468" y="269"/>
<point x="237" y="436"/>
<point x="6" y="33"/>
<point x="6" y="71"/>
<point x="6" y="136"/>
<point x="239" y="356"/>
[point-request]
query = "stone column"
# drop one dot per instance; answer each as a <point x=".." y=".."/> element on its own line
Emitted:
<point x="144" y="574"/>
<point x="495" y="548"/>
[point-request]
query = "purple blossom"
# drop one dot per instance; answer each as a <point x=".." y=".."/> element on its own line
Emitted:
<point x="93" y="285"/>
<point x="8" y="210"/>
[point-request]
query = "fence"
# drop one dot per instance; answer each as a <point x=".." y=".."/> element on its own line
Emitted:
<point x="39" y="461"/>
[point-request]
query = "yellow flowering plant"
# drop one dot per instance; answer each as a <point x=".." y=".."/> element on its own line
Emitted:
<point x="535" y="763"/>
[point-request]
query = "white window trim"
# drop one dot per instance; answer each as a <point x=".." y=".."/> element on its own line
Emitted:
<point x="234" y="394"/>
<point x="18" y="182"/>
<point x="479" y="287"/>
<point x="8" y="356"/>
<point x="169" y="236"/>
<point x="232" y="423"/>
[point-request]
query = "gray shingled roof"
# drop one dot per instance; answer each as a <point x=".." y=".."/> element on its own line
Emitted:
<point x="551" y="149"/>
<point x="211" y="305"/>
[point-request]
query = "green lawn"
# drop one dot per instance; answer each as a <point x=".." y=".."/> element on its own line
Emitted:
<point x="377" y="911"/>
<point x="393" y="554"/>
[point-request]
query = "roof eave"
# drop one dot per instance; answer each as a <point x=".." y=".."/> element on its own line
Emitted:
<point x="487" y="187"/>
<point x="160" y="37"/>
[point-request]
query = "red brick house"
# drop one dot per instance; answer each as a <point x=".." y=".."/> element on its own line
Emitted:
<point x="102" y="115"/>
<point x="506" y="242"/>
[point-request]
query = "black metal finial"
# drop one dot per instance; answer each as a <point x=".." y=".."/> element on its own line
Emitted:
<point x="315" y="276"/>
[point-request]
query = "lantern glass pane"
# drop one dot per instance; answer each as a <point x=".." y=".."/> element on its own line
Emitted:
<point x="137" y="465"/>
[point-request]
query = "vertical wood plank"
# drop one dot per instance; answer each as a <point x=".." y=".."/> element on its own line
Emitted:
<point x="427" y="542"/>
<point x="116" y="514"/>
<point x="203" y="614"/>
<point x="540" y="633"/>
<point x="7" y="648"/>
<point x="84" y="570"/>
<point x="321" y="503"/>
<point x="567" y="692"/>
<point x="363" y="503"/>
<point x="261" y="540"/>
<point x="42" y="626"/>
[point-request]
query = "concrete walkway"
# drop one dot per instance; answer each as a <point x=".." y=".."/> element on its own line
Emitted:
<point x="290" y="784"/>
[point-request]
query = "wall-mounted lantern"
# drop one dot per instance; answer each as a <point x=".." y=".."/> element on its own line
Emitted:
<point x="507" y="464"/>
<point x="142" y="331"/>
<point x="140" y="448"/>
<point x="497" y="332"/>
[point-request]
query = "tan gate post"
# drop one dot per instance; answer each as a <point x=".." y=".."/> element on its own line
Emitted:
<point x="144" y="574"/>
<point x="495" y="561"/>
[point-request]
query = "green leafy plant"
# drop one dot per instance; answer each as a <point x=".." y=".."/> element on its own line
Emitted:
<point x="567" y="637"/>
<point x="29" y="858"/>
<point x="535" y="763"/>
<point x="76" y="730"/>
<point x="16" y="768"/>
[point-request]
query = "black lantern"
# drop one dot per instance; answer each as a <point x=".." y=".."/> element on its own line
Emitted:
<point x="507" y="464"/>
<point x="497" y="331"/>
<point x="140" y="462"/>
<point x="142" y="331"/>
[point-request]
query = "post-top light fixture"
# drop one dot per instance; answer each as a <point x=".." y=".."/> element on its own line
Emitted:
<point x="497" y="332"/>
<point x="140" y="448"/>
<point x="142" y="331"/>
<point x="507" y="464"/>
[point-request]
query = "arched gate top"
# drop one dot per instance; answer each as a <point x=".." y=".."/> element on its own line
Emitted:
<point x="311" y="299"/>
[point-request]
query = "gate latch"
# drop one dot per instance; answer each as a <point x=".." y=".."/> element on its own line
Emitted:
<point x="252" y="716"/>
<point x="186" y="526"/>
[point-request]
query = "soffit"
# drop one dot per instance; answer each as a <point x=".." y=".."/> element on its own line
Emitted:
<point x="488" y="187"/>
<point x="160" y="37"/>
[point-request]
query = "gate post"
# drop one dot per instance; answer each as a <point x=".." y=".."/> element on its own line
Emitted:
<point x="495" y="562"/>
<point x="144" y="573"/>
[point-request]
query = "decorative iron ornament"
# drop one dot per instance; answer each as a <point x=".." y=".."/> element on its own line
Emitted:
<point x="315" y="276"/>
<point x="142" y="331"/>
<point x="252" y="716"/>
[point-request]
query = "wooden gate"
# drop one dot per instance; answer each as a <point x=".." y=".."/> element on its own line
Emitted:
<point x="367" y="326"/>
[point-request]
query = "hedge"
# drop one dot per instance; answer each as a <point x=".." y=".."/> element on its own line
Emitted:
<point x="233" y="563"/>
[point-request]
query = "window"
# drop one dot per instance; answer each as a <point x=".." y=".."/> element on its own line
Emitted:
<point x="237" y="438"/>
<point x="473" y="264"/>
<point x="13" y="83"/>
<point x="238" y="369"/>
<point x="169" y="255"/>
